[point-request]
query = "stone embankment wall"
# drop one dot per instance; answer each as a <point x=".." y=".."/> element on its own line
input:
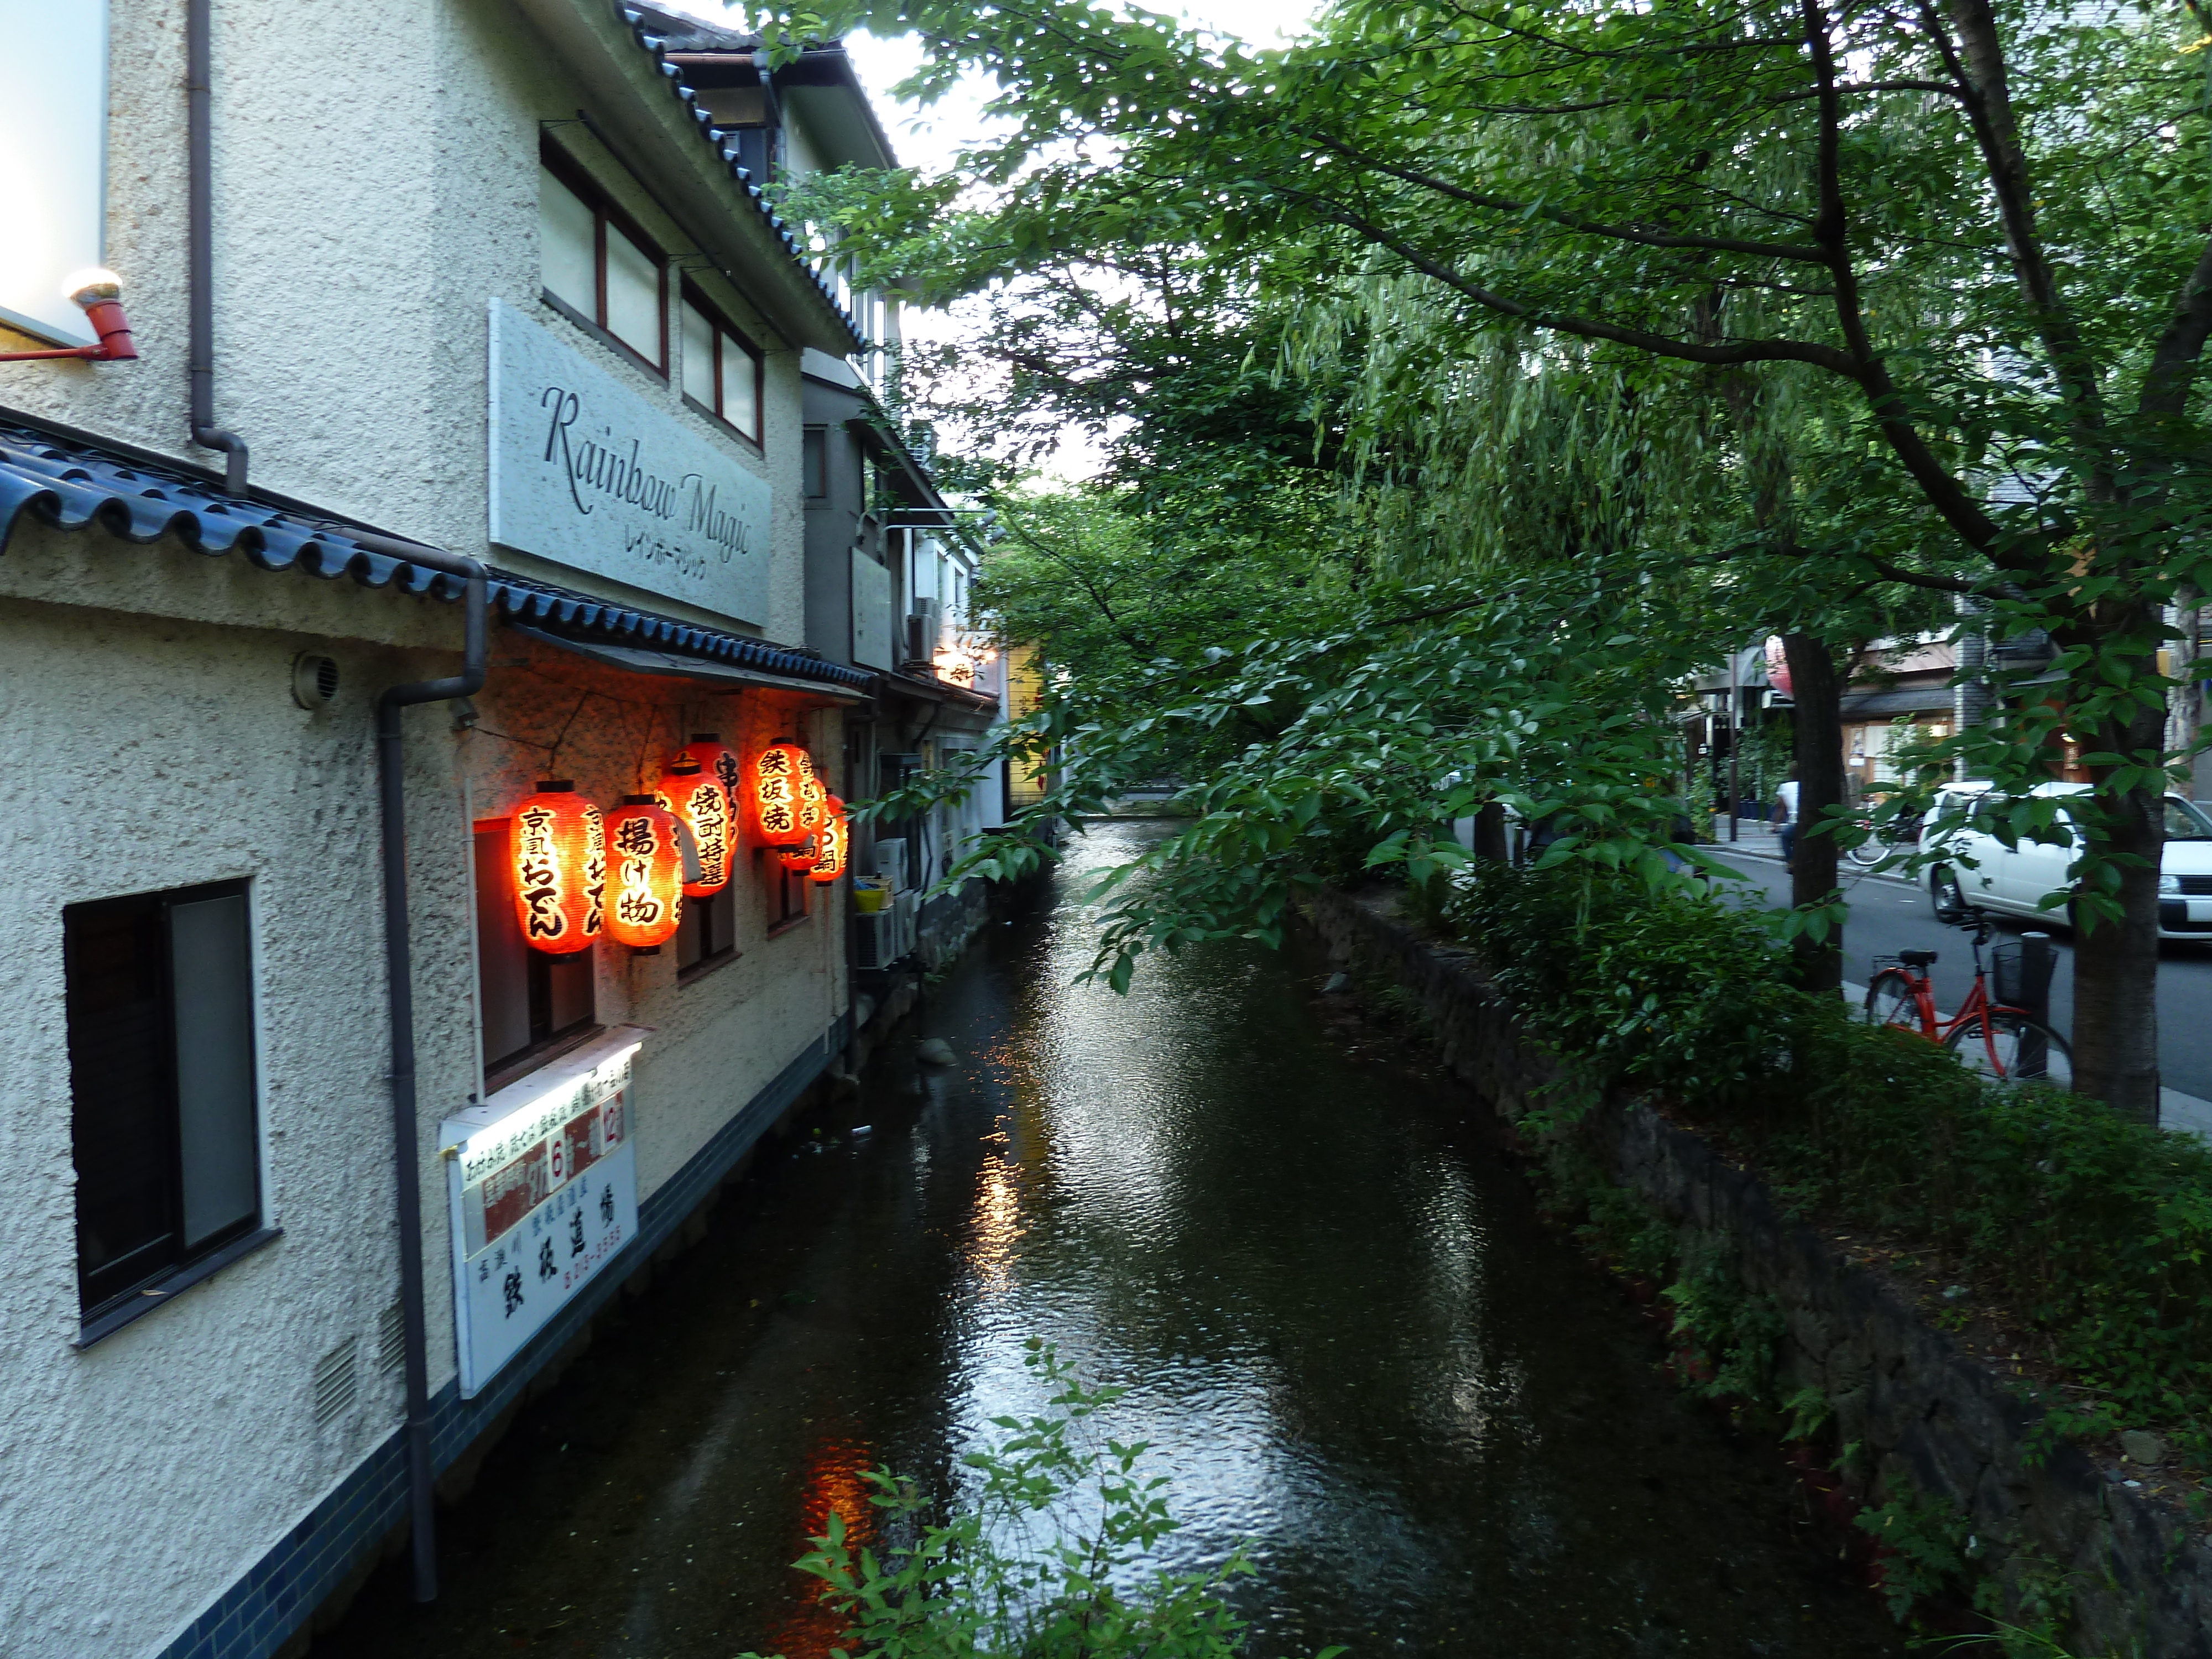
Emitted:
<point x="1924" y="1412"/>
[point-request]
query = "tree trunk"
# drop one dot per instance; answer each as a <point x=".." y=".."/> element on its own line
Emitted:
<point x="1490" y="833"/>
<point x="2116" y="962"/>
<point x="1816" y="688"/>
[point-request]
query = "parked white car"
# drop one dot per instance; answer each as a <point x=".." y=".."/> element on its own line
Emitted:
<point x="2014" y="880"/>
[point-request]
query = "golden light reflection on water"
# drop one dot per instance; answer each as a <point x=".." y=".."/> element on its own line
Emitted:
<point x="995" y="1225"/>
<point x="834" y="1483"/>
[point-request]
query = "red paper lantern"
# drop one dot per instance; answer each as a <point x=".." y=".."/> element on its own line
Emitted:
<point x="558" y="842"/>
<point x="702" y="806"/>
<point x="834" y="839"/>
<point x="813" y="794"/>
<point x="775" y="794"/>
<point x="645" y="861"/>
<point x="720" y="764"/>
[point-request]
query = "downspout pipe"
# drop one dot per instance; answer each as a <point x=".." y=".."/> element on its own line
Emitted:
<point x="399" y="990"/>
<point x="199" y="239"/>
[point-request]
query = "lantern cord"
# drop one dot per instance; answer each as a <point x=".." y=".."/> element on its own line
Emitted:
<point x="553" y="764"/>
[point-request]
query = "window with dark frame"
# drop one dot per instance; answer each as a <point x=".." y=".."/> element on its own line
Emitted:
<point x="786" y="894"/>
<point x="721" y="370"/>
<point x="814" y="463"/>
<point x="158" y="989"/>
<point x="598" y="266"/>
<point x="709" y="931"/>
<point x="530" y="1003"/>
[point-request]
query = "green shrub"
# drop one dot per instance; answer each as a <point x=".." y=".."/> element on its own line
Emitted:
<point x="2094" y="1231"/>
<point x="1046" y="1559"/>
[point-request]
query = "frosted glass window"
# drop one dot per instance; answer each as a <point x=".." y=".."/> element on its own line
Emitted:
<point x="633" y="295"/>
<point x="213" y="1002"/>
<point x="568" y="238"/>
<point x="721" y="373"/>
<point x="699" y="378"/>
<point x="740" y="388"/>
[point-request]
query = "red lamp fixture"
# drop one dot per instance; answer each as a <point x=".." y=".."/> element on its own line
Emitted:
<point x="558" y="841"/>
<point x="647" y="869"/>
<point x="101" y="294"/>
<point x="702" y="806"/>
<point x="721" y="763"/>
<point x="834" y="840"/>
<point x="813" y="794"/>
<point x="775" y="795"/>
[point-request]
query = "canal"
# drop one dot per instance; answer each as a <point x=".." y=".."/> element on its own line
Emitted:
<point x="1342" y="1325"/>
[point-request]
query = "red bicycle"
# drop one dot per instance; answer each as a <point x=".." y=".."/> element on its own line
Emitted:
<point x="1993" y="1038"/>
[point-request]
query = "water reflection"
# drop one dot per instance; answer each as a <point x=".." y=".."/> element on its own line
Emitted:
<point x="1339" y="1323"/>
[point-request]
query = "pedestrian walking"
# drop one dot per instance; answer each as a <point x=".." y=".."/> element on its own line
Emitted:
<point x="1785" y="820"/>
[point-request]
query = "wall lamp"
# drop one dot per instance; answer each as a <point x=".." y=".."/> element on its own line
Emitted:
<point x="99" y="292"/>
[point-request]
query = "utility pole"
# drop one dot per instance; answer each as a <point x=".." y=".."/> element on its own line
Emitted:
<point x="1736" y="741"/>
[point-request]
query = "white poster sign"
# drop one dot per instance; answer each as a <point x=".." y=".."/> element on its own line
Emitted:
<point x="53" y="157"/>
<point x="871" y="613"/>
<point x="586" y="473"/>
<point x="542" y="1179"/>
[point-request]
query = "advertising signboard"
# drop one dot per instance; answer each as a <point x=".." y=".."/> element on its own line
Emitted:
<point x="588" y="474"/>
<point x="541" y="1181"/>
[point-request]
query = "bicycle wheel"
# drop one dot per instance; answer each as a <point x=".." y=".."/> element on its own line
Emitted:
<point x="1890" y="1001"/>
<point x="1868" y="852"/>
<point x="2003" y="1042"/>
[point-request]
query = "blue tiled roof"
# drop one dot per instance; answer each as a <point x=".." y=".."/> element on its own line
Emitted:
<point x="69" y="484"/>
<point x="720" y="142"/>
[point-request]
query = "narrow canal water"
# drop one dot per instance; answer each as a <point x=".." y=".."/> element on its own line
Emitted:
<point x="1342" y="1326"/>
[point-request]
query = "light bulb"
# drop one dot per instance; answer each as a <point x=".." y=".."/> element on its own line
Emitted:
<point x="85" y="287"/>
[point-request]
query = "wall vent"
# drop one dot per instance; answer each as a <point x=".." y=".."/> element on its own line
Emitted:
<point x="314" y="680"/>
<point x="337" y="1382"/>
<point x="391" y="1339"/>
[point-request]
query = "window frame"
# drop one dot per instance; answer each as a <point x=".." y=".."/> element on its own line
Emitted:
<point x="782" y="882"/>
<point x="698" y="916"/>
<point x="605" y="211"/>
<point x="719" y="327"/>
<point x="186" y="1265"/>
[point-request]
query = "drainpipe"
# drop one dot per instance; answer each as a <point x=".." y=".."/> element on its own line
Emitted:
<point x="399" y="984"/>
<point x="200" y="250"/>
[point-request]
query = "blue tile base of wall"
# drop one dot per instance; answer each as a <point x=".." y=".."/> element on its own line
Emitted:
<point x="262" y="1611"/>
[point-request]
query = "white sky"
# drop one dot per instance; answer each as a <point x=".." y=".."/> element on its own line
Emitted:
<point x="929" y="138"/>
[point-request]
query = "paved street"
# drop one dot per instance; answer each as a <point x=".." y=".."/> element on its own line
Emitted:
<point x="1888" y="916"/>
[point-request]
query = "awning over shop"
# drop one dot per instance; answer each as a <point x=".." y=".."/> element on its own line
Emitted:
<point x="667" y="664"/>
<point x="1883" y="705"/>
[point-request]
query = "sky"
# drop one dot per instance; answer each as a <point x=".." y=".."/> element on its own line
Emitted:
<point x="929" y="138"/>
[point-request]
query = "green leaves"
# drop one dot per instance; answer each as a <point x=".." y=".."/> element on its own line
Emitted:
<point x="1044" y="1556"/>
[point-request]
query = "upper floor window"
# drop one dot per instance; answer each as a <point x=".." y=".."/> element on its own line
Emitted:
<point x="598" y="265"/>
<point x="159" y="993"/>
<point x="721" y="372"/>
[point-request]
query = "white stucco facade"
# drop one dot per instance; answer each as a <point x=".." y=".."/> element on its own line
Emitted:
<point x="375" y="191"/>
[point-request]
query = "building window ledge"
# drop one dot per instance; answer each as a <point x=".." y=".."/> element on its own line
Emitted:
<point x="698" y="970"/>
<point x="165" y="1289"/>
<point x="783" y="927"/>
<point x="538" y="1054"/>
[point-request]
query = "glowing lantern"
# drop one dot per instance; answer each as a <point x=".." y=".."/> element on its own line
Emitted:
<point x="813" y="794"/>
<point x="723" y="765"/>
<point x="645" y="873"/>
<point x="782" y="777"/>
<point x="559" y="844"/>
<point x="835" y="841"/>
<point x="800" y="855"/>
<point x="702" y="806"/>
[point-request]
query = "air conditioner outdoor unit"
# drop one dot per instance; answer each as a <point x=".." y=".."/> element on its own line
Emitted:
<point x="891" y="860"/>
<point x="875" y="940"/>
<point x="925" y="628"/>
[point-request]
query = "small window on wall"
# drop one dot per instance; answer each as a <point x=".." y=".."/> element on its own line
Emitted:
<point x="708" y="930"/>
<point x="721" y="372"/>
<point x="532" y="1004"/>
<point x="164" y="1125"/>
<point x="814" y="463"/>
<point x="599" y="268"/>
<point x="787" y="895"/>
